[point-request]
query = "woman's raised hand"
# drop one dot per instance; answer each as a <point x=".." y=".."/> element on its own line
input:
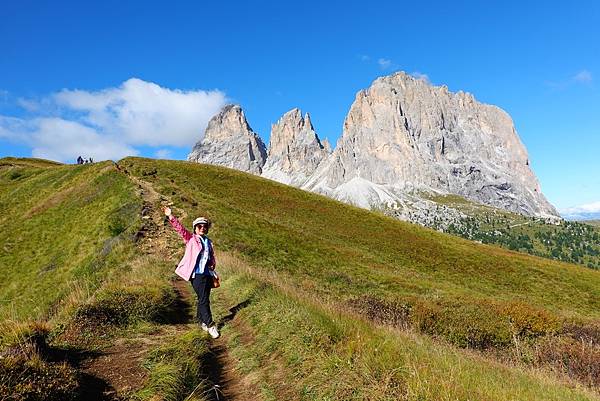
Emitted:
<point x="167" y="211"/>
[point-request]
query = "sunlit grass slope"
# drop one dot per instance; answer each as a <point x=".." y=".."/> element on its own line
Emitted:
<point x="317" y="264"/>
<point x="335" y="302"/>
<point x="60" y="226"/>
<point x="349" y="253"/>
<point x="296" y="346"/>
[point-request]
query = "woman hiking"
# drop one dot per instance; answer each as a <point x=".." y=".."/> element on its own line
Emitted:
<point x="198" y="266"/>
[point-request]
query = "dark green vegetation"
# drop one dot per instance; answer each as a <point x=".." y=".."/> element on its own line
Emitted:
<point x="334" y="302"/>
<point x="569" y="241"/>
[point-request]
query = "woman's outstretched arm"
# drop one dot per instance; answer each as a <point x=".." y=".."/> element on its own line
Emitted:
<point x="181" y="230"/>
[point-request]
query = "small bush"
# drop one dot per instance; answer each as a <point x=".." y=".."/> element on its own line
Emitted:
<point x="394" y="314"/>
<point x="15" y="174"/>
<point x="116" y="226"/>
<point x="529" y="322"/>
<point x="18" y="338"/>
<point x="579" y="359"/>
<point x="589" y="332"/>
<point x="467" y="325"/>
<point x="122" y="306"/>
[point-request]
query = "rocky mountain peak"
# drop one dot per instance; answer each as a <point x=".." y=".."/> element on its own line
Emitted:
<point x="401" y="138"/>
<point x="403" y="135"/>
<point x="232" y="118"/>
<point x="230" y="141"/>
<point x="307" y="122"/>
<point x="295" y="149"/>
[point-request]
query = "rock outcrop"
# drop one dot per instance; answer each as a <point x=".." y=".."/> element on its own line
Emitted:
<point x="229" y="141"/>
<point x="403" y="135"/>
<point x="295" y="150"/>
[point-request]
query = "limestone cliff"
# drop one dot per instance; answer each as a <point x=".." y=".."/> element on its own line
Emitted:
<point x="295" y="150"/>
<point x="405" y="135"/>
<point x="229" y="141"/>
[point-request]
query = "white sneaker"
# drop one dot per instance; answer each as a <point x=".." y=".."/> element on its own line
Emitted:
<point x="212" y="330"/>
<point x="204" y="327"/>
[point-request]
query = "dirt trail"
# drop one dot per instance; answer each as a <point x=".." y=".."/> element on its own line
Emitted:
<point x="116" y="372"/>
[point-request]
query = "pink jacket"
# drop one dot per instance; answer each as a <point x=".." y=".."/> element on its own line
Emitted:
<point x="192" y="250"/>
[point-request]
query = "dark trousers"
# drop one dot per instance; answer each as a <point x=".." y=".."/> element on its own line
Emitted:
<point x="202" y="285"/>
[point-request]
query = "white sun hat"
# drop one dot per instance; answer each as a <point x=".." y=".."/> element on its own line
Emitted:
<point x="201" y="220"/>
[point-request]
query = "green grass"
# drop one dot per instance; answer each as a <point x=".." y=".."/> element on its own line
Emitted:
<point x="350" y="252"/>
<point x="344" y="303"/>
<point x="298" y="347"/>
<point x="56" y="234"/>
<point x="174" y="369"/>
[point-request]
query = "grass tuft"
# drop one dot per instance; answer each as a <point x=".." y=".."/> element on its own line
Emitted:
<point x="175" y="370"/>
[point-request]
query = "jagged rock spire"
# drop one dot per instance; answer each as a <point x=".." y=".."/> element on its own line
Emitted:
<point x="229" y="141"/>
<point x="295" y="149"/>
<point x="401" y="137"/>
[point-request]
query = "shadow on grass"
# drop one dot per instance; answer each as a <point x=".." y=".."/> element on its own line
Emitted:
<point x="232" y="312"/>
<point x="95" y="389"/>
<point x="180" y="310"/>
<point x="91" y="388"/>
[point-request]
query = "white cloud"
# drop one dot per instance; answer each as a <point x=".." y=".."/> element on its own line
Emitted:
<point x="145" y="113"/>
<point x="583" y="76"/>
<point x="163" y="154"/>
<point x="63" y="140"/>
<point x="29" y="104"/>
<point x="421" y="76"/>
<point x="384" y="63"/>
<point x="582" y="212"/>
<point x="10" y="128"/>
<point x="364" y="57"/>
<point x="110" y="123"/>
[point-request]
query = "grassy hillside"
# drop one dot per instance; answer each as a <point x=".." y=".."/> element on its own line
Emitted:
<point x="77" y="280"/>
<point x="301" y="347"/>
<point x="353" y="252"/>
<point x="567" y="241"/>
<point x="465" y="294"/>
<point x="320" y="300"/>
<point x="60" y="225"/>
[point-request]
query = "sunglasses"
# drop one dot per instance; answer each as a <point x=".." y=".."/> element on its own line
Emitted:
<point x="202" y="225"/>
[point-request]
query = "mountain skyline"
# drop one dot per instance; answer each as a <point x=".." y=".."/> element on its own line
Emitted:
<point x="62" y="94"/>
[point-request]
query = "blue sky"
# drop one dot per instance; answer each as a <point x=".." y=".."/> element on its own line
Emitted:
<point x="68" y="66"/>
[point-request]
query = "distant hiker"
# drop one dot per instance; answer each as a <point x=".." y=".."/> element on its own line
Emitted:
<point x="80" y="160"/>
<point x="198" y="266"/>
<point x="91" y="160"/>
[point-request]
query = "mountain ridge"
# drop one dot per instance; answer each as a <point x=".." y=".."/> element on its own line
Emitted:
<point x="403" y="136"/>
